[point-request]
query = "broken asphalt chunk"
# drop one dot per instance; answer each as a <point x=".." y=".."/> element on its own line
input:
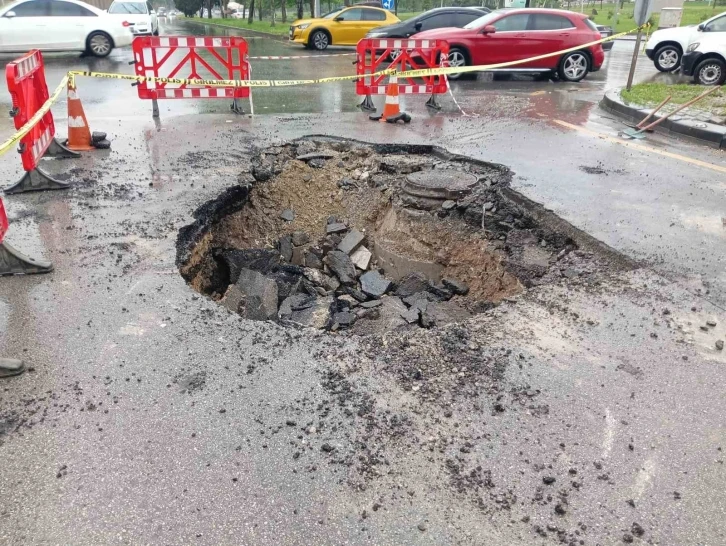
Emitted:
<point x="374" y="284"/>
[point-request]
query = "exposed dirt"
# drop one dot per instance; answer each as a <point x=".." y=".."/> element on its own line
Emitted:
<point x="493" y="244"/>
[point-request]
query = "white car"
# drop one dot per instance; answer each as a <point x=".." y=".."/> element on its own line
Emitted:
<point x="60" y="25"/>
<point x="666" y="47"/>
<point x="705" y="59"/>
<point x="140" y="14"/>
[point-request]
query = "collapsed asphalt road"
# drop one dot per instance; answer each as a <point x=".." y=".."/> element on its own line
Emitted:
<point x="587" y="411"/>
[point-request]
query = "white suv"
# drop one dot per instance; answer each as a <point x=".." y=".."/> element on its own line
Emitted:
<point x="705" y="58"/>
<point x="666" y="47"/>
<point x="140" y="14"/>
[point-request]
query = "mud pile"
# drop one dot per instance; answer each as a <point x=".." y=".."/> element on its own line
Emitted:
<point x="340" y="235"/>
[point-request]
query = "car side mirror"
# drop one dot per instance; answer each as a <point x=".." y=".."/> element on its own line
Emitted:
<point x="489" y="29"/>
<point x="339" y="19"/>
<point x="9" y="14"/>
<point x="418" y="26"/>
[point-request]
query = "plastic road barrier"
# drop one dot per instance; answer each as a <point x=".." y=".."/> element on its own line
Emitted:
<point x="29" y="93"/>
<point x="191" y="58"/>
<point x="376" y="55"/>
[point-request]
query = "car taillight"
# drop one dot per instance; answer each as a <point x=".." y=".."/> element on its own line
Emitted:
<point x="126" y="24"/>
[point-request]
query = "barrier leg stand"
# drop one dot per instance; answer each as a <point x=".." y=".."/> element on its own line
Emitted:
<point x="154" y="108"/>
<point x="367" y="104"/>
<point x="236" y="108"/>
<point x="433" y="103"/>
<point x="58" y="150"/>
<point x="14" y="262"/>
<point x="36" y="180"/>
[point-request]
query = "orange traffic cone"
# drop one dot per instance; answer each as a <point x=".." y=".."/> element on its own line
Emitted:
<point x="79" y="135"/>
<point x="391" y="107"/>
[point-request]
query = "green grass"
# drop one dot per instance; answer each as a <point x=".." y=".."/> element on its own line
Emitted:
<point x="280" y="28"/>
<point x="693" y="13"/>
<point x="651" y="94"/>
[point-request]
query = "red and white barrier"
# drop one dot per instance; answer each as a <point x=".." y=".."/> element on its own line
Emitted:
<point x="191" y="58"/>
<point x="375" y="56"/>
<point x="29" y="92"/>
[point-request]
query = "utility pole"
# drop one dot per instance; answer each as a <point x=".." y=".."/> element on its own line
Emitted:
<point x="317" y="8"/>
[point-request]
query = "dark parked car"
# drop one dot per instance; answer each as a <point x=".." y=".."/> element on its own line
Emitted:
<point x="604" y="33"/>
<point x="435" y="18"/>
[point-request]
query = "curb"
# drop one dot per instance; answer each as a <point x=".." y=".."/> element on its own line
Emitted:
<point x="701" y="132"/>
<point x="280" y="37"/>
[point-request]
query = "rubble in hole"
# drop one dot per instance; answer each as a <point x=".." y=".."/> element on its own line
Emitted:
<point x="340" y="235"/>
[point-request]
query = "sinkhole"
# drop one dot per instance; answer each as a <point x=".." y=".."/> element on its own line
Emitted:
<point x="346" y="236"/>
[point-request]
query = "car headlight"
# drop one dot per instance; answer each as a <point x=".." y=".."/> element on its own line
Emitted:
<point x="693" y="46"/>
<point x="375" y="34"/>
<point x="303" y="27"/>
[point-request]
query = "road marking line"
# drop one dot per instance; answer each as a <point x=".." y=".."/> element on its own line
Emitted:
<point x="640" y="147"/>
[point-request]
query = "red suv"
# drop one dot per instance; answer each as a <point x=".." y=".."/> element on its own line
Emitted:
<point x="515" y="34"/>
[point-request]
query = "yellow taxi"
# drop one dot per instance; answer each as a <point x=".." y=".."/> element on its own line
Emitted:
<point x="343" y="27"/>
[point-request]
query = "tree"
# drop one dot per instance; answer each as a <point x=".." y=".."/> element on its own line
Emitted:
<point x="300" y="4"/>
<point x="284" y="11"/>
<point x="251" y="16"/>
<point x="188" y="7"/>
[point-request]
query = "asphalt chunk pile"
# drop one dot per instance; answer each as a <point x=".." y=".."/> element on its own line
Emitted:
<point x="343" y="236"/>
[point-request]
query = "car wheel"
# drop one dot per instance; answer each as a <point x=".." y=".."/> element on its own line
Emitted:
<point x="457" y="57"/>
<point x="667" y="58"/>
<point x="99" y="44"/>
<point x="574" y="66"/>
<point x="710" y="72"/>
<point x="320" y="40"/>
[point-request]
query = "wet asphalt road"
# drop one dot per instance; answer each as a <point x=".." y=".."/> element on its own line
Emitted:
<point x="117" y="435"/>
<point x="115" y="99"/>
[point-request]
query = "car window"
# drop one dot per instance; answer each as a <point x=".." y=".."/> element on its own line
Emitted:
<point x="440" y="20"/>
<point x="462" y="19"/>
<point x="352" y="15"/>
<point x="373" y="15"/>
<point x="66" y="9"/>
<point x="149" y="7"/>
<point x="591" y="25"/>
<point x="543" y="21"/>
<point x="717" y="25"/>
<point x="512" y="23"/>
<point x="128" y="8"/>
<point x="332" y="14"/>
<point x="35" y="8"/>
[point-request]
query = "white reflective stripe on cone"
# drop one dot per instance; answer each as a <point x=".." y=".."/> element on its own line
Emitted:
<point x="76" y="121"/>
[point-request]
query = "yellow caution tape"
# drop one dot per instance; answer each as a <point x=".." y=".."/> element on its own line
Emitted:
<point x="5" y="146"/>
<point x="228" y="83"/>
<point x="25" y="129"/>
<point x="388" y="72"/>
